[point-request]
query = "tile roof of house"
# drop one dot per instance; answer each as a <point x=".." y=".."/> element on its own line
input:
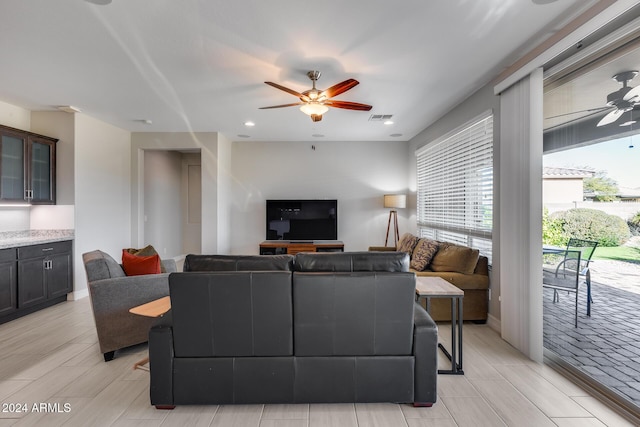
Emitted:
<point x="555" y="172"/>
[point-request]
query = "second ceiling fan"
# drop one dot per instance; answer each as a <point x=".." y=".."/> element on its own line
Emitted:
<point x="315" y="102"/>
<point x="622" y="100"/>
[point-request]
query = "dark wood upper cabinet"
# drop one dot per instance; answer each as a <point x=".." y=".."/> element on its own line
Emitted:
<point x="27" y="167"/>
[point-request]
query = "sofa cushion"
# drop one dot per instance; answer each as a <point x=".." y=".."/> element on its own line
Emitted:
<point x="351" y="261"/>
<point x="238" y="263"/>
<point x="353" y="314"/>
<point x="135" y="265"/>
<point x="231" y="314"/>
<point x="454" y="258"/>
<point x="423" y="253"/>
<point x="407" y="243"/>
<point x="100" y="265"/>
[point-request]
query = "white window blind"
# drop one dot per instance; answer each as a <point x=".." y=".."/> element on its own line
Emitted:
<point x="455" y="186"/>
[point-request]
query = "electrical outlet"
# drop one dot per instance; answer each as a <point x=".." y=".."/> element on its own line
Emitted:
<point x="489" y="294"/>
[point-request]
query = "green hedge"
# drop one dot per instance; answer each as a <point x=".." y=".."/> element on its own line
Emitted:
<point x="588" y="224"/>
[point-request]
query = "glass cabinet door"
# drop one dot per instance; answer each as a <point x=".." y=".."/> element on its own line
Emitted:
<point x="41" y="171"/>
<point x="12" y="176"/>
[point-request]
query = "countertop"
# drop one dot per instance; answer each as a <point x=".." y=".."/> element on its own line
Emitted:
<point x="14" y="239"/>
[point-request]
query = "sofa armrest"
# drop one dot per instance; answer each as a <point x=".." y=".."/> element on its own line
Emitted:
<point x="425" y="351"/>
<point x="123" y="293"/>
<point x="161" y="361"/>
<point x="111" y="300"/>
<point x="382" y="248"/>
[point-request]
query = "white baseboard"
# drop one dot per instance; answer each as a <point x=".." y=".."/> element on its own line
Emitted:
<point x="494" y="323"/>
<point x="76" y="295"/>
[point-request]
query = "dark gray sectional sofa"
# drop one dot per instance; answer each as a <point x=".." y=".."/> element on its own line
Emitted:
<point x="326" y="327"/>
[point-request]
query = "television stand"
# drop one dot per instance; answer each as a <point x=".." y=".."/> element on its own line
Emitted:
<point x="292" y="247"/>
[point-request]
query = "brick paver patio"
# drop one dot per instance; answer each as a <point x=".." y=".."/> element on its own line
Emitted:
<point x="605" y="346"/>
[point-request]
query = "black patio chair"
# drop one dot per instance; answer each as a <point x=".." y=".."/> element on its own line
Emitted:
<point x="586" y="248"/>
<point x="559" y="273"/>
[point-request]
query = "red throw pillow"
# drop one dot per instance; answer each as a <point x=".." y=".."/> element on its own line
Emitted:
<point x="134" y="265"/>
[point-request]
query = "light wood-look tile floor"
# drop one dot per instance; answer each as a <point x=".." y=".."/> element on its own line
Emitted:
<point x="52" y="374"/>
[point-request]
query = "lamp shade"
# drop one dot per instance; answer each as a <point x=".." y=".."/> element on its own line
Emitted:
<point x="398" y="201"/>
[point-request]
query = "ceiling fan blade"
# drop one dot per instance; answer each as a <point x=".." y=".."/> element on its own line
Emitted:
<point x="611" y="117"/>
<point x="341" y="87"/>
<point x="633" y="93"/>
<point x="572" y="120"/>
<point x="282" y="106"/>
<point x="291" y="91"/>
<point x="590" y="110"/>
<point x="348" y="105"/>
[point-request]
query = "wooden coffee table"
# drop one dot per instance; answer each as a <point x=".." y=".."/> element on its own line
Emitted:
<point x="154" y="308"/>
<point x="436" y="287"/>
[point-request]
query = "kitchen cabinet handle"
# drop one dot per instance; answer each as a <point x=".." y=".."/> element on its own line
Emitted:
<point x="47" y="249"/>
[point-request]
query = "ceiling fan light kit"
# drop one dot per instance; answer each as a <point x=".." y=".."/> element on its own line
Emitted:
<point x="312" y="108"/>
<point x="315" y="102"/>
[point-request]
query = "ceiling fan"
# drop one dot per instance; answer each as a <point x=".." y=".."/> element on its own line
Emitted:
<point x="315" y="102"/>
<point x="623" y="100"/>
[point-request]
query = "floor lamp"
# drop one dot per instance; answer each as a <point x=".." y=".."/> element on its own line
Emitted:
<point x="394" y="201"/>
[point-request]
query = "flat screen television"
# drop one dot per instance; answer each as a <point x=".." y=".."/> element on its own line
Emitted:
<point x="302" y="220"/>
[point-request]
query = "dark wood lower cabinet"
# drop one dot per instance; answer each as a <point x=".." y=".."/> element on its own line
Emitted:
<point x="8" y="281"/>
<point x="41" y="276"/>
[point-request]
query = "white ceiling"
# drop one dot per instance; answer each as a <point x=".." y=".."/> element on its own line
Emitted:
<point x="200" y="65"/>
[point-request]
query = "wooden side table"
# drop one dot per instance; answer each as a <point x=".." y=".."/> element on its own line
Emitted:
<point x="436" y="287"/>
<point x="154" y="308"/>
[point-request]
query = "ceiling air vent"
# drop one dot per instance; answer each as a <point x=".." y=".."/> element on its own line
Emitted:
<point x="380" y="117"/>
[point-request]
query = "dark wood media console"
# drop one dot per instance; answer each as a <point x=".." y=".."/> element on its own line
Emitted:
<point x="291" y="247"/>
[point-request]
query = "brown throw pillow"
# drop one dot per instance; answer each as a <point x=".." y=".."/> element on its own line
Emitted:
<point x="146" y="251"/>
<point x="453" y="258"/>
<point x="407" y="243"/>
<point x="423" y="254"/>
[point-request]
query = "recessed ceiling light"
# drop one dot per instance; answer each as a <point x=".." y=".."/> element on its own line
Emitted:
<point x="388" y="122"/>
<point x="99" y="2"/>
<point x="146" y="121"/>
<point x="243" y="136"/>
<point x="317" y="135"/>
<point x="395" y="135"/>
<point x="249" y="124"/>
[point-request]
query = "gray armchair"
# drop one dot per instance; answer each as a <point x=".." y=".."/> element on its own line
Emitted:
<point x="113" y="293"/>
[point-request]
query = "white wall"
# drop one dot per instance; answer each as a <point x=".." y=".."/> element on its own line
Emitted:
<point x="14" y="219"/>
<point x="207" y="144"/>
<point x="15" y="117"/>
<point x="102" y="166"/>
<point x="162" y="202"/>
<point x="357" y="174"/>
